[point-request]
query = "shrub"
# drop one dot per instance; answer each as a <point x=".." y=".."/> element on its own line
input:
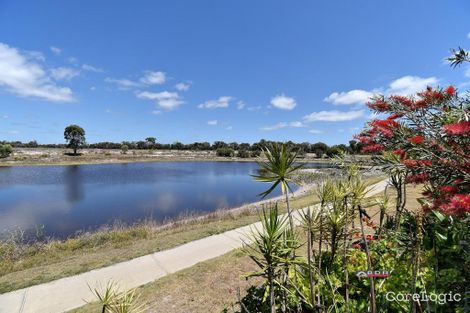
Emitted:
<point x="124" y="149"/>
<point x="225" y="152"/>
<point x="243" y="154"/>
<point x="5" y="151"/>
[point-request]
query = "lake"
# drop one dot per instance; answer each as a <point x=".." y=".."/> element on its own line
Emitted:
<point x="68" y="199"/>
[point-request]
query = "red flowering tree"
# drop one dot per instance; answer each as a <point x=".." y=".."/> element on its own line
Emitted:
<point x="429" y="133"/>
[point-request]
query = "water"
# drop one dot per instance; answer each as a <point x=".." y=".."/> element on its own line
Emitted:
<point x="68" y="199"/>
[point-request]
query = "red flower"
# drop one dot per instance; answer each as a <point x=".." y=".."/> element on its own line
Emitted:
<point x="460" y="128"/>
<point x="416" y="139"/>
<point x="417" y="178"/>
<point x="450" y="90"/>
<point x="448" y="189"/>
<point x="375" y="147"/>
<point x="379" y="105"/>
<point x="459" y="204"/>
<point x="401" y="153"/>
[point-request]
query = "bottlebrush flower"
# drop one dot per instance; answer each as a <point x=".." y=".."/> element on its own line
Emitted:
<point x="401" y="153"/>
<point x="416" y="139"/>
<point x="450" y="90"/>
<point x="458" y="204"/>
<point x="375" y="147"/>
<point x="460" y="128"/>
<point x="448" y="189"/>
<point x="379" y="105"/>
<point x="417" y="178"/>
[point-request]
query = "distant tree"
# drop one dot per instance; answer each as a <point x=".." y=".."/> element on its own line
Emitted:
<point x="5" y="150"/>
<point x="32" y="144"/>
<point x="218" y="144"/>
<point x="336" y="150"/>
<point x="319" y="149"/>
<point x="355" y="147"/>
<point x="124" y="149"/>
<point x="151" y="141"/>
<point x="177" y="145"/>
<point x="74" y="135"/>
<point x="243" y="154"/>
<point x="225" y="152"/>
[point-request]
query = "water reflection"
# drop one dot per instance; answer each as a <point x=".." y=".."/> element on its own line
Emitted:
<point x="73" y="184"/>
<point x="67" y="199"/>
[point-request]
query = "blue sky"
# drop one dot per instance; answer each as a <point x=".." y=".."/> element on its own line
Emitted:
<point x="217" y="70"/>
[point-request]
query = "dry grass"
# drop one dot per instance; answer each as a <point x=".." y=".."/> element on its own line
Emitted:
<point x="211" y="286"/>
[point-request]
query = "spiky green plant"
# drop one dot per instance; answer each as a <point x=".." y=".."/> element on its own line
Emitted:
<point x="278" y="169"/>
<point x="270" y="248"/>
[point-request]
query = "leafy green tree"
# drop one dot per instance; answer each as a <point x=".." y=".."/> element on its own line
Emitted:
<point x="5" y="150"/>
<point x="124" y="149"/>
<point x="74" y="135"/>
<point x="319" y="149"/>
<point x="225" y="152"/>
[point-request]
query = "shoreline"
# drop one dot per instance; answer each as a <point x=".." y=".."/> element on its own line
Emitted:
<point x="59" y="157"/>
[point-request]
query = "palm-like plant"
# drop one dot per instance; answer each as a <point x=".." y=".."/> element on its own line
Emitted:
<point x="278" y="170"/>
<point x="270" y="249"/>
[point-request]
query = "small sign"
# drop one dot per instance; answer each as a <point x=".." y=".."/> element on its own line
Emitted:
<point x="377" y="274"/>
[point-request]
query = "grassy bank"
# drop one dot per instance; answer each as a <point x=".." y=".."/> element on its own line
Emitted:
<point x="58" y="156"/>
<point x="212" y="286"/>
<point x="23" y="265"/>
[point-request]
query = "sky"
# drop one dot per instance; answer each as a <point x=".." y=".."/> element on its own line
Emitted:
<point x="218" y="70"/>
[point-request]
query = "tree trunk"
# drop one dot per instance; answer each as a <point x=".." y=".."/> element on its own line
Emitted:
<point x="309" y="255"/>
<point x="289" y="213"/>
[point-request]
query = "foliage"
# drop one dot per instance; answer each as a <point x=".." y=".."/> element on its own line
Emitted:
<point x="225" y="152"/>
<point x="113" y="300"/>
<point x="5" y="150"/>
<point x="124" y="149"/>
<point x="74" y="135"/>
<point x="429" y="134"/>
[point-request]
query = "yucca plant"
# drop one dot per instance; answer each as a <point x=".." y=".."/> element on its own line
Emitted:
<point x="270" y="249"/>
<point x="278" y="169"/>
<point x="112" y="300"/>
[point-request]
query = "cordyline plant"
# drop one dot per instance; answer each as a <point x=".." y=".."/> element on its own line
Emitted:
<point x="430" y="135"/>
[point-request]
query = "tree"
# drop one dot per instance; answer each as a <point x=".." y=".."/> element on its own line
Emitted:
<point x="5" y="150"/>
<point x="151" y="141"/>
<point x="124" y="149"/>
<point x="319" y="149"/>
<point x="74" y="135"/>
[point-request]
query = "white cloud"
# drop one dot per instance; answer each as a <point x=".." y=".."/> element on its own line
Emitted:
<point x="221" y="102"/>
<point x="153" y="78"/>
<point x="165" y="100"/>
<point x="212" y="122"/>
<point x="315" y="131"/>
<point x="183" y="86"/>
<point x="5" y="116"/>
<point x="283" y="125"/>
<point x="25" y="77"/>
<point x="122" y="83"/>
<point x="64" y="73"/>
<point x="283" y="102"/>
<point x="156" y="112"/>
<point x="91" y="68"/>
<point x="350" y="97"/>
<point x="229" y="128"/>
<point x="55" y="50"/>
<point x="406" y="85"/>
<point x="468" y="35"/>
<point x="333" y="116"/>
<point x="241" y="105"/>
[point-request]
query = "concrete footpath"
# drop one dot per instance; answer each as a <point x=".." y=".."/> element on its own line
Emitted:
<point x="71" y="292"/>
